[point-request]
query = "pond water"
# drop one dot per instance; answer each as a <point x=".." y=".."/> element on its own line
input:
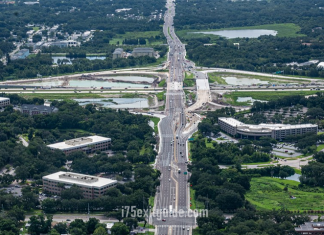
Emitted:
<point x="131" y="78"/>
<point x="94" y="83"/>
<point x="242" y="33"/>
<point x="247" y="99"/>
<point x="294" y="177"/>
<point x="69" y="60"/>
<point x="116" y="102"/>
<point x="243" y="81"/>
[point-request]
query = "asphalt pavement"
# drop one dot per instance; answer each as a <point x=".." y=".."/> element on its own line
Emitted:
<point x="172" y="214"/>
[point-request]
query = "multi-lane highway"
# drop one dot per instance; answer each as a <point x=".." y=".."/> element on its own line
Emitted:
<point x="172" y="202"/>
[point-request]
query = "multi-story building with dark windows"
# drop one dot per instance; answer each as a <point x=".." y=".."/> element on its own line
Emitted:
<point x="91" y="186"/>
<point x="311" y="228"/>
<point x="88" y="144"/>
<point x="143" y="51"/>
<point x="4" y="102"/>
<point x="276" y="131"/>
<point x="32" y="109"/>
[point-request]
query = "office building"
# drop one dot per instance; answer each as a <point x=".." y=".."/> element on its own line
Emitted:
<point x="311" y="228"/>
<point x="32" y="109"/>
<point x="143" y="51"/>
<point x="276" y="131"/>
<point x="22" y="54"/>
<point x="4" y="102"/>
<point x="91" y="186"/>
<point x="62" y="44"/>
<point x="88" y="144"/>
<point x="118" y="53"/>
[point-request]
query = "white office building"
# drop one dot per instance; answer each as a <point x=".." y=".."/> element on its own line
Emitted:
<point x="276" y="131"/>
<point x="91" y="186"/>
<point x="88" y="144"/>
<point x="4" y="102"/>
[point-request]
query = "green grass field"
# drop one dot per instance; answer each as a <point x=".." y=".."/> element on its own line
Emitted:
<point x="189" y="80"/>
<point x="162" y="83"/>
<point x="161" y="95"/>
<point x="156" y="121"/>
<point x="195" y="204"/>
<point x="266" y="77"/>
<point x="268" y="193"/>
<point x="262" y="95"/>
<point x="130" y="35"/>
<point x="214" y="77"/>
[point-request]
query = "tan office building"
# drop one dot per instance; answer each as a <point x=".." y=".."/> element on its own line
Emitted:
<point x="91" y="186"/>
<point x="143" y="51"/>
<point x="88" y="144"/>
<point x="276" y="131"/>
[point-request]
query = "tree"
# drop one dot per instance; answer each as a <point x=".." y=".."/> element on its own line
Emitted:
<point x="91" y="225"/>
<point x="54" y="232"/>
<point x="119" y="229"/>
<point x="17" y="212"/>
<point x="77" y="231"/>
<point x="61" y="228"/>
<point x="79" y="224"/>
<point x="319" y="157"/>
<point x="73" y="192"/>
<point x="100" y="231"/>
<point x="39" y="225"/>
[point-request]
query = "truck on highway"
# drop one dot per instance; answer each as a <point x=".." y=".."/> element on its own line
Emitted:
<point x="108" y="88"/>
<point x="170" y="209"/>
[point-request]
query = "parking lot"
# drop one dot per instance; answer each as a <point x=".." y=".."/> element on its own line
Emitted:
<point x="15" y="190"/>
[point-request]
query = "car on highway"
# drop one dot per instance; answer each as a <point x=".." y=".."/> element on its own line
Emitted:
<point x="163" y="220"/>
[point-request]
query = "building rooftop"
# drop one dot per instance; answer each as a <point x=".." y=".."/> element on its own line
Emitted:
<point x="118" y="51"/>
<point x="41" y="108"/>
<point x="79" y="142"/>
<point x="4" y="98"/>
<point x="79" y="179"/>
<point x="311" y="226"/>
<point x="143" y="49"/>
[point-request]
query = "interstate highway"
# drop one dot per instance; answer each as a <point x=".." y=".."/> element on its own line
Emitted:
<point x="174" y="188"/>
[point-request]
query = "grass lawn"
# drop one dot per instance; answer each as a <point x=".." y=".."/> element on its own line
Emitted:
<point x="36" y="28"/>
<point x="214" y="77"/>
<point x="256" y="163"/>
<point x="161" y="95"/>
<point x="147" y="225"/>
<point x="162" y="83"/>
<point x="156" y="121"/>
<point x="209" y="145"/>
<point x="263" y="95"/>
<point x="132" y="35"/>
<point x="297" y="171"/>
<point x="195" y="204"/>
<point x="320" y="147"/>
<point x="169" y="33"/>
<point x="151" y="201"/>
<point x="266" y="77"/>
<point x="268" y="193"/>
<point x="189" y="80"/>
<point x="195" y="231"/>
